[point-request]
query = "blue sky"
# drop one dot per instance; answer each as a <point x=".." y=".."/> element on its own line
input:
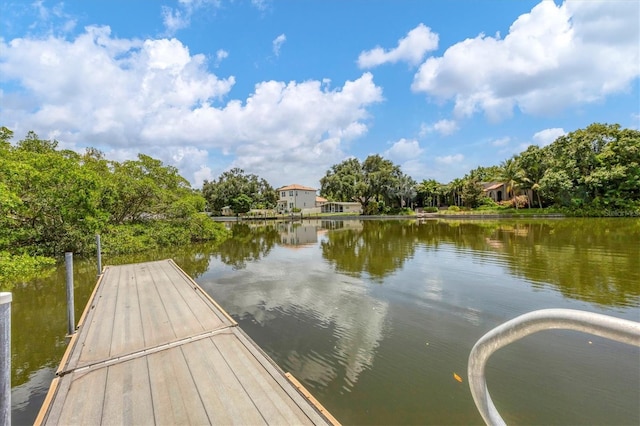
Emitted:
<point x="285" y="89"/>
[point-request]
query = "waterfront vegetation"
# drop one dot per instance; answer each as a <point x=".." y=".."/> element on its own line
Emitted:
<point x="589" y="172"/>
<point x="55" y="200"/>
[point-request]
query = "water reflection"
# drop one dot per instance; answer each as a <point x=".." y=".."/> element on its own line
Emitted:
<point x="249" y="243"/>
<point x="375" y="316"/>
<point x="337" y="325"/>
<point x="378" y="248"/>
<point x="590" y="259"/>
<point x="294" y="234"/>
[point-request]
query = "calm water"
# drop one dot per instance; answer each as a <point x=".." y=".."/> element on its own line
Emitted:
<point x="375" y="317"/>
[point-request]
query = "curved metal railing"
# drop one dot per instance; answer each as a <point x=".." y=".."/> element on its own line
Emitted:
<point x="617" y="329"/>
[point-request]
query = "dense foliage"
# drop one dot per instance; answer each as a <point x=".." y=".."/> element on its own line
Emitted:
<point x="53" y="201"/>
<point x="239" y="191"/>
<point x="377" y="183"/>
<point x="592" y="171"/>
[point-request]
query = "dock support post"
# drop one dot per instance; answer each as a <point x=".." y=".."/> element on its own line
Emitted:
<point x="71" y="320"/>
<point x="99" y="250"/>
<point x="5" y="359"/>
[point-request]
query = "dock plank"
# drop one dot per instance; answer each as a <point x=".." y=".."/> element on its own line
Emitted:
<point x="228" y="401"/>
<point x="128" y="394"/>
<point x="175" y="397"/>
<point x="153" y="348"/>
<point x="100" y="321"/>
<point x="127" y="319"/>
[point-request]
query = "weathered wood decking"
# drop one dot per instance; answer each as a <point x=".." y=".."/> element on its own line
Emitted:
<point x="153" y="348"/>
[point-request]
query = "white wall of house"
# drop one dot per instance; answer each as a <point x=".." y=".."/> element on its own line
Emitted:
<point x="336" y="207"/>
<point x="288" y="199"/>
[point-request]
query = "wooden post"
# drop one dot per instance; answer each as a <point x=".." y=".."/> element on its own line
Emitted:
<point x="5" y="359"/>
<point x="99" y="253"/>
<point x="71" y="320"/>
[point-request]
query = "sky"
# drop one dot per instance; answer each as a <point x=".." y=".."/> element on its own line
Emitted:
<point x="286" y="89"/>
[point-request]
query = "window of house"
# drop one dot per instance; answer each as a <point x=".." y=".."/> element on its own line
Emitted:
<point x="290" y="193"/>
<point x="283" y="194"/>
<point x="290" y="205"/>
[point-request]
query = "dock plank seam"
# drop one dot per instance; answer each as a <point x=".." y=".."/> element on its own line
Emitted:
<point x="240" y="382"/>
<point x="144" y="352"/>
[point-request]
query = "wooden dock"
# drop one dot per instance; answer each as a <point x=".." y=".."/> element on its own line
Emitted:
<point x="153" y="348"/>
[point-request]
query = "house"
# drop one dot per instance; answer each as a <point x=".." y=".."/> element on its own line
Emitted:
<point x="295" y="197"/>
<point x="341" y="207"/>
<point x="320" y="201"/>
<point x="227" y="211"/>
<point x="497" y="191"/>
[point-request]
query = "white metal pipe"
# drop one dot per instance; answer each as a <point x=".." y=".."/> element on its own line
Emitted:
<point x="612" y="328"/>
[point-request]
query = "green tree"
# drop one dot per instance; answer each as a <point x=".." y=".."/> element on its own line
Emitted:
<point x="596" y="166"/>
<point x="533" y="165"/>
<point x="343" y="182"/>
<point x="455" y="189"/>
<point x="144" y="188"/>
<point x="53" y="201"/>
<point x="403" y="189"/>
<point x="233" y="183"/>
<point x="428" y="193"/>
<point x="375" y="179"/>
<point x="510" y="174"/>
<point x="472" y="193"/>
<point x="241" y="204"/>
<point x="485" y="174"/>
<point x="379" y="176"/>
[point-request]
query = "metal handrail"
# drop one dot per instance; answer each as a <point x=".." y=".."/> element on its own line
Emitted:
<point x="617" y="329"/>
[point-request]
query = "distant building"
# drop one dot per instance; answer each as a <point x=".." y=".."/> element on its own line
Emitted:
<point x="295" y="197"/>
<point x="320" y="201"/>
<point x="497" y="191"/>
<point x="341" y="207"/>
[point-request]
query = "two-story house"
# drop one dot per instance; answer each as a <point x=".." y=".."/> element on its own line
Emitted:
<point x="295" y="197"/>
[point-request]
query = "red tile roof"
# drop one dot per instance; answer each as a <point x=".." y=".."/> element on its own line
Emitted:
<point x="493" y="186"/>
<point x="295" y="186"/>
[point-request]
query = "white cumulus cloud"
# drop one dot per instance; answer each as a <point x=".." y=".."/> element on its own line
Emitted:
<point x="155" y="96"/>
<point x="553" y="57"/>
<point x="546" y="136"/>
<point x="444" y="127"/>
<point x="403" y="150"/>
<point x="411" y="49"/>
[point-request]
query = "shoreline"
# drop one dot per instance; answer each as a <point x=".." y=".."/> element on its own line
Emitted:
<point x="421" y="216"/>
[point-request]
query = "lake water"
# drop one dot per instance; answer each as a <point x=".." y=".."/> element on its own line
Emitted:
<point x="375" y="317"/>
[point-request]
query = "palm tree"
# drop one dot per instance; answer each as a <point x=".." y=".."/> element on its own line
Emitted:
<point x="510" y="174"/>
<point x="455" y="188"/>
<point x="534" y="165"/>
<point x="428" y="192"/>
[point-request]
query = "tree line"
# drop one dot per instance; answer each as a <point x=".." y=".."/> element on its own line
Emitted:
<point x="54" y="200"/>
<point x="591" y="170"/>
